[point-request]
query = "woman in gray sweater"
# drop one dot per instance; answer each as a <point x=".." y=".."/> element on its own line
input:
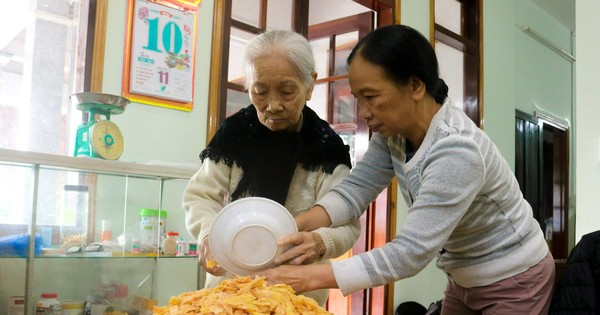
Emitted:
<point x="465" y="206"/>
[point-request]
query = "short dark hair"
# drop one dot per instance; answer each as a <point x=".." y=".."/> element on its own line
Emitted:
<point x="402" y="52"/>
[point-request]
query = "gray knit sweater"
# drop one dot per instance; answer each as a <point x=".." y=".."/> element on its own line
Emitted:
<point x="465" y="206"/>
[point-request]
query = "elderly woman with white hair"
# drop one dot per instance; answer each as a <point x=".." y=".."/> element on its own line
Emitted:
<point x="276" y="148"/>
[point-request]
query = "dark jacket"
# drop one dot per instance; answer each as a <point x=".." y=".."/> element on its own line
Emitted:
<point x="578" y="291"/>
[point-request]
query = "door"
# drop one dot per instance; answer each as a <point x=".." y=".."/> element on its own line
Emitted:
<point x="541" y="167"/>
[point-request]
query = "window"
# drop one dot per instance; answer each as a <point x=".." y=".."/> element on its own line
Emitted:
<point x="458" y="46"/>
<point x="45" y="56"/>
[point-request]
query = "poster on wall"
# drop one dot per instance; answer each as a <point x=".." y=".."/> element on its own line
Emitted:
<point x="160" y="53"/>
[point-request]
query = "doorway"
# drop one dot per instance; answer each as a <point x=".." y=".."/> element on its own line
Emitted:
<point x="542" y="170"/>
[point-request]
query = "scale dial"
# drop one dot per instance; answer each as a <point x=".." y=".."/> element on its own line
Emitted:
<point x="106" y="140"/>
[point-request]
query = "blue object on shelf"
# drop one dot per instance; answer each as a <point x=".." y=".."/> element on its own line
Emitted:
<point x="17" y="245"/>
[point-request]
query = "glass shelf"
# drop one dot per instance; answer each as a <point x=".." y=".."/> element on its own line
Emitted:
<point x="64" y="200"/>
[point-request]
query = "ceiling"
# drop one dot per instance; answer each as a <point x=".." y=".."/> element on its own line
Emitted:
<point x="562" y="10"/>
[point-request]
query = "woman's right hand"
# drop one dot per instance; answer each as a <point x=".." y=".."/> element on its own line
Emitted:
<point x="207" y="261"/>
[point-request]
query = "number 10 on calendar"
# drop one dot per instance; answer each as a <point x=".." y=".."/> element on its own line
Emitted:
<point x="159" y="58"/>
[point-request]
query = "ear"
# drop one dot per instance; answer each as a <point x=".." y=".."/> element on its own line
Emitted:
<point x="417" y="87"/>
<point x="310" y="89"/>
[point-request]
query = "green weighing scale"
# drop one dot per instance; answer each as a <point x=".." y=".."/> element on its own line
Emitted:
<point x="97" y="137"/>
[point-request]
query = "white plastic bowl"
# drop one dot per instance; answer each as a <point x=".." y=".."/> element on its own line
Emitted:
<point x="243" y="237"/>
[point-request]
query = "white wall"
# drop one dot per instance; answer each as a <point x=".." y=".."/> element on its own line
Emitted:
<point x="499" y="75"/>
<point x="587" y="114"/>
<point x="543" y="77"/>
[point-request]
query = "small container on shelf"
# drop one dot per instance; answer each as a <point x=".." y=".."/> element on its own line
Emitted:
<point x="16" y="305"/>
<point x="106" y="233"/>
<point x="152" y="227"/>
<point x="48" y="299"/>
<point x="72" y="307"/>
<point x="135" y="246"/>
<point x="169" y="246"/>
<point x="192" y="248"/>
<point x="54" y="309"/>
<point x="180" y="247"/>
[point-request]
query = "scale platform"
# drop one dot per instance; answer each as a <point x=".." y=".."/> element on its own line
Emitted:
<point x="100" y="103"/>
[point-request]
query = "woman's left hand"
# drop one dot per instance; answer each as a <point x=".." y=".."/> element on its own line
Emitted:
<point x="306" y="248"/>
<point x="302" y="278"/>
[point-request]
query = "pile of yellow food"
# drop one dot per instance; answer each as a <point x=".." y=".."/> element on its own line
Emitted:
<point x="241" y="296"/>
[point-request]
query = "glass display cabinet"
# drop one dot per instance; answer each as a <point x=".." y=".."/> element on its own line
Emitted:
<point x="72" y="226"/>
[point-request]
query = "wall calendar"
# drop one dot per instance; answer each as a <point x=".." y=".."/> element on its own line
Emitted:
<point x="160" y="53"/>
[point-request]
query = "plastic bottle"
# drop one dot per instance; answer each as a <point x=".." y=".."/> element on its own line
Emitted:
<point x="106" y="233"/>
<point x="180" y="247"/>
<point x="43" y="305"/>
<point x="169" y="246"/>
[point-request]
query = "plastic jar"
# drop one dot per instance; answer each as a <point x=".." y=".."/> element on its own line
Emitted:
<point x="192" y="248"/>
<point x="169" y="246"/>
<point x="72" y="307"/>
<point x="43" y="305"/>
<point x="152" y="226"/>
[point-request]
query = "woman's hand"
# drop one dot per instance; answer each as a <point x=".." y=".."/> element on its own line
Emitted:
<point x="302" y="278"/>
<point x="207" y="261"/>
<point x="306" y="248"/>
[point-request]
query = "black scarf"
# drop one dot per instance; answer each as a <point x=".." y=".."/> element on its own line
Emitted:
<point x="268" y="159"/>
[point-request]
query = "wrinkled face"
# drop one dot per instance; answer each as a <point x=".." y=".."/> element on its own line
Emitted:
<point x="387" y="107"/>
<point x="278" y="93"/>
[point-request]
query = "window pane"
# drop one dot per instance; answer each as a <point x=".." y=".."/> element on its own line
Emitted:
<point x="343" y="46"/>
<point x="448" y="13"/>
<point x="344" y="104"/>
<point x="237" y="43"/>
<point x="279" y="14"/>
<point x="15" y="196"/>
<point x="452" y="68"/>
<point x="320" y="49"/>
<point x="236" y="100"/>
<point x="247" y="11"/>
<point x="318" y="101"/>
<point x="320" y="11"/>
<point x="349" y="138"/>
<point x="38" y="72"/>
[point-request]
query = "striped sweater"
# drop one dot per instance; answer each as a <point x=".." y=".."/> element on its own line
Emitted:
<point x="465" y="207"/>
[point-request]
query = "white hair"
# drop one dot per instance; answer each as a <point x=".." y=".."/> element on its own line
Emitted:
<point x="293" y="46"/>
